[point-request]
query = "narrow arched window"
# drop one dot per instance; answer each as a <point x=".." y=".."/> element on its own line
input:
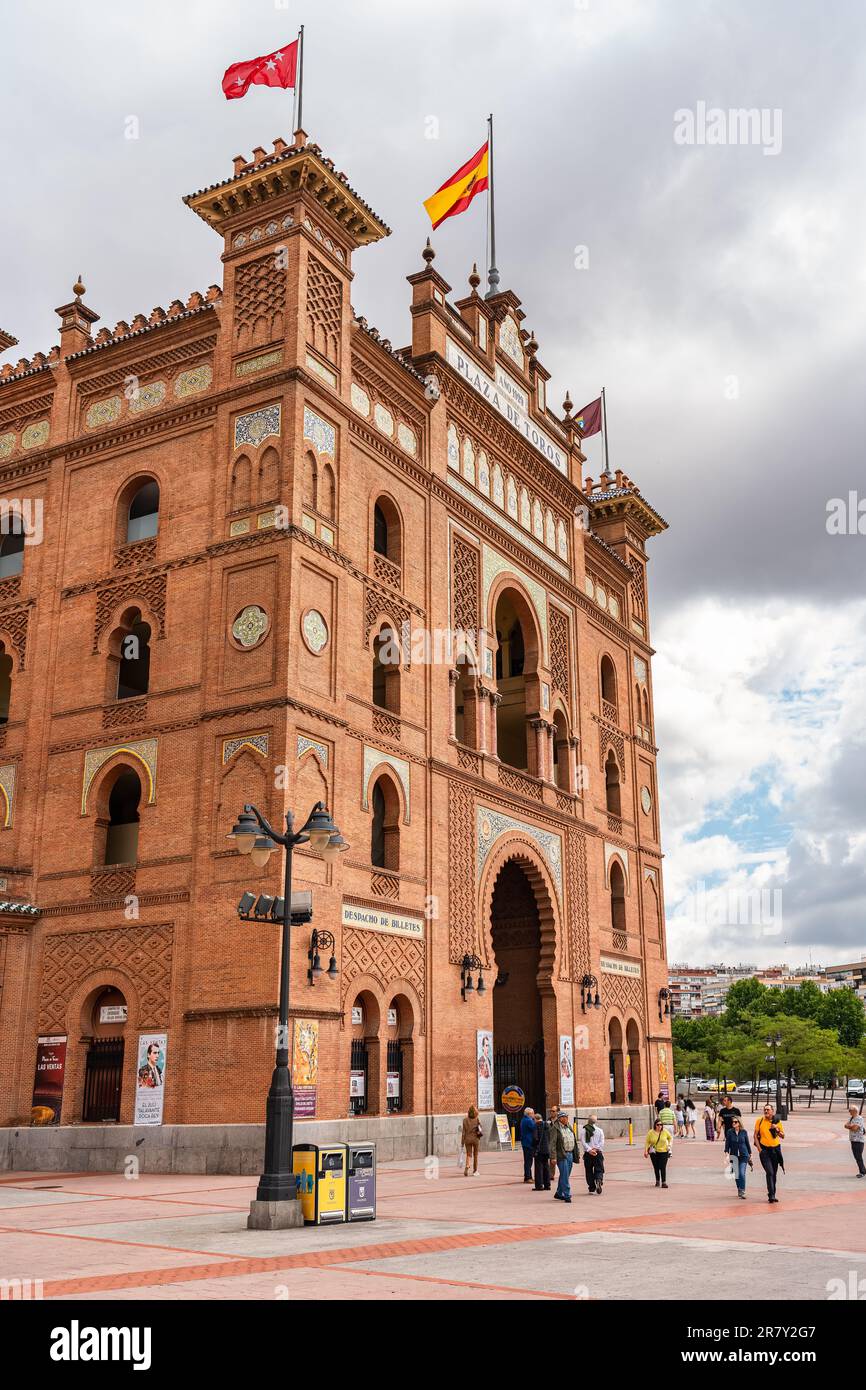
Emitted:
<point x="385" y="829"/>
<point x="143" y="516"/>
<point x="608" y="683"/>
<point x="121" y="840"/>
<point x="11" y="554"/>
<point x="387" y="531"/>
<point x="133" y="673"/>
<point x="612" y="785"/>
<point x="5" y="684"/>
<point x="617" y="902"/>
<point x="386" y="671"/>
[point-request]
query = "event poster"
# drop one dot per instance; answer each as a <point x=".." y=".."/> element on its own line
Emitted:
<point x="664" y="1083"/>
<point x="484" y="1067"/>
<point x="150" y="1078"/>
<point x="566" y="1071"/>
<point x="305" y="1067"/>
<point x="48" y="1080"/>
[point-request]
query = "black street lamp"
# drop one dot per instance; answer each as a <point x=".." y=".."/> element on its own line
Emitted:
<point x="467" y="965"/>
<point x="324" y="939"/>
<point x="773" y="1042"/>
<point x="253" y="835"/>
<point x="587" y="985"/>
<point x="664" y="999"/>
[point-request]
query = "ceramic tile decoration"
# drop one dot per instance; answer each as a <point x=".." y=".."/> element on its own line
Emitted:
<point x="509" y="340"/>
<point x="240" y="528"/>
<point x="320" y="749"/>
<point x="406" y="439"/>
<point x="503" y="522"/>
<point x="261" y="424"/>
<point x="7" y="793"/>
<point x="147" y="397"/>
<point x="35" y="435"/>
<point x="320" y="434"/>
<point x="103" y="412"/>
<point x="259" y="742"/>
<point x="196" y="379"/>
<point x="315" y="630"/>
<point x="640" y="669"/>
<point x="360" y="400"/>
<point x="321" y="370"/>
<point x="250" y="626"/>
<point x="142" y="751"/>
<point x="493" y="564"/>
<point x="7" y="444"/>
<point x="372" y="758"/>
<point x="490" y="825"/>
<point x="258" y="364"/>
<point x="383" y="419"/>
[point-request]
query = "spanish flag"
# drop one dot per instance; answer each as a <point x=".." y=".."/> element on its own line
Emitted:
<point x="457" y="193"/>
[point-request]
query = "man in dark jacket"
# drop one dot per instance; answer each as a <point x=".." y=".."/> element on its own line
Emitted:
<point x="542" y="1155"/>
<point x="527" y="1141"/>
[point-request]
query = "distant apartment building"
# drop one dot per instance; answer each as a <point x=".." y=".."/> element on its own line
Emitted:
<point x="853" y="975"/>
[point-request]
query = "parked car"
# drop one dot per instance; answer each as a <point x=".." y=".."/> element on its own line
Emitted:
<point x="703" y="1085"/>
<point x="722" y="1086"/>
<point x="745" y="1088"/>
<point x="856" y="1087"/>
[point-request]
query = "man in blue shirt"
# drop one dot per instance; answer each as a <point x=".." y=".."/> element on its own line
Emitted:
<point x="527" y="1141"/>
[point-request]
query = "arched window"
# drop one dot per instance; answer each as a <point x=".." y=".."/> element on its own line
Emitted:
<point x="311" y="478"/>
<point x="385" y="830"/>
<point x="133" y="672"/>
<point x="269" y="476"/>
<point x="608" y="684"/>
<point x="464" y="705"/>
<point x="241" y="484"/>
<point x="617" y="905"/>
<point x="5" y="683"/>
<point x="386" y="671"/>
<point x="613" y="799"/>
<point x="11" y="554"/>
<point x="516" y="659"/>
<point x="326" y="492"/>
<point x="387" y="532"/>
<point x="143" y="515"/>
<point x="561" y="771"/>
<point x="121" y="840"/>
<point x="646" y="713"/>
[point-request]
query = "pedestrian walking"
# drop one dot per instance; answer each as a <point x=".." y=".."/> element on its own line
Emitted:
<point x="562" y="1153"/>
<point x="660" y="1102"/>
<point x="592" y="1139"/>
<point x="471" y="1136"/>
<point x="740" y="1150"/>
<point x="657" y="1148"/>
<point x="541" y="1155"/>
<point x="668" y="1119"/>
<point x="710" y="1121"/>
<point x="769" y="1133"/>
<point x="857" y="1133"/>
<point x="690" y="1115"/>
<point x="527" y="1141"/>
<point x="727" y="1113"/>
<point x="680" y="1117"/>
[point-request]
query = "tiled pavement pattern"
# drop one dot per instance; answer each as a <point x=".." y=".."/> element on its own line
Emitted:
<point x="445" y="1237"/>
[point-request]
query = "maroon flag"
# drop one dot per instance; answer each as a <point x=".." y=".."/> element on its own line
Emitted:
<point x="273" y="70"/>
<point x="588" y="420"/>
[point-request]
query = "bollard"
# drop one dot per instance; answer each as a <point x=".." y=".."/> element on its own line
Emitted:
<point x="512" y="1137"/>
<point x="630" y="1131"/>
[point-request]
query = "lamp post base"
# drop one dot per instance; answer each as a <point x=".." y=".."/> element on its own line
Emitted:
<point x="275" y="1216"/>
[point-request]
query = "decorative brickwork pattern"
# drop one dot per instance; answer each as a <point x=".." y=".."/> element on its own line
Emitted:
<point x="559" y="663"/>
<point x="143" y="953"/>
<point x="136" y="555"/>
<point x="388" y="960"/>
<point x="609" y="737"/>
<point x="147" y="589"/>
<point x="638" y="592"/>
<point x="324" y="310"/>
<point x="16" y="621"/>
<point x="579" y="952"/>
<point x="114" y="881"/>
<point x="259" y="290"/>
<point x="125" y="714"/>
<point x="623" y="993"/>
<point x="462" y="930"/>
<point x="465" y="574"/>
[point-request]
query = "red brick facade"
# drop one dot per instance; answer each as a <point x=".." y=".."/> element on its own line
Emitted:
<point x="317" y="486"/>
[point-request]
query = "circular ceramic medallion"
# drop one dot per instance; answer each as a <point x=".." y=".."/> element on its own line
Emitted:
<point x="315" y="630"/>
<point x="250" y="626"/>
<point x="646" y="800"/>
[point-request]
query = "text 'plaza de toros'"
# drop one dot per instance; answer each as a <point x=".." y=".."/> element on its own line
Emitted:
<point x="249" y="525"/>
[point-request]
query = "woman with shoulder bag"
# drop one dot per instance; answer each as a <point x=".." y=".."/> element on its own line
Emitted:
<point x="471" y="1136"/>
<point x="739" y="1150"/>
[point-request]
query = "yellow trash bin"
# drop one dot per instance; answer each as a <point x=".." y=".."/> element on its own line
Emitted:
<point x="322" y="1172"/>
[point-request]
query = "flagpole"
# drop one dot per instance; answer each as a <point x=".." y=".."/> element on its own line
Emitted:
<point x="299" y="89"/>
<point x="604" y="428"/>
<point x="492" y="272"/>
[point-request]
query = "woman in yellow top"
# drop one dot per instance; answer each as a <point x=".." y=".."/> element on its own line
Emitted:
<point x="657" y="1149"/>
<point x="769" y="1133"/>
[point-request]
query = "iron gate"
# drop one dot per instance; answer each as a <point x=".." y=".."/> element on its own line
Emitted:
<point x="395" y="1067"/>
<point x="521" y="1066"/>
<point x="359" y="1062"/>
<point x="103" y="1074"/>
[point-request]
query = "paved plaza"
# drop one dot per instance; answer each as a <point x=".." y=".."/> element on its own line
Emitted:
<point x="100" y="1236"/>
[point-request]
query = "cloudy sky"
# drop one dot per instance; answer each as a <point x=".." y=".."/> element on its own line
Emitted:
<point x="722" y="306"/>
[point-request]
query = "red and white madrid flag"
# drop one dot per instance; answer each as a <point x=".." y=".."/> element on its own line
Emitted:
<point x="273" y="70"/>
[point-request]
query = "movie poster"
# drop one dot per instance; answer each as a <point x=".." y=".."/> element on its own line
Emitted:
<point x="484" y="1068"/>
<point x="664" y="1086"/>
<point x="48" y="1080"/>
<point x="566" y="1071"/>
<point x="305" y="1067"/>
<point x="150" y="1078"/>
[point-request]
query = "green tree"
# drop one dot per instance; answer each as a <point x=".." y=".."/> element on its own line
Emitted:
<point x="803" y="1002"/>
<point x="745" y="997"/>
<point x="842" y="1010"/>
